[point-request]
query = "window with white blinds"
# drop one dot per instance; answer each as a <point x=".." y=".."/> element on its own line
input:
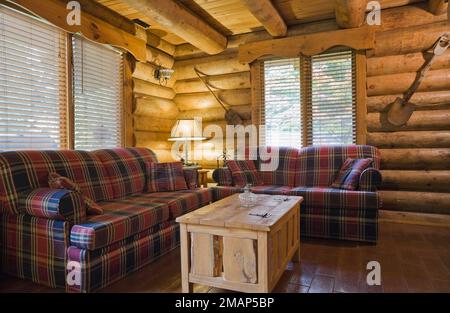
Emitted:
<point x="98" y="95"/>
<point x="331" y="98"/>
<point x="319" y="91"/>
<point x="32" y="83"/>
<point x="281" y="114"/>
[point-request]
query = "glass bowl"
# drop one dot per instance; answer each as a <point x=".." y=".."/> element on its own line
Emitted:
<point x="248" y="199"/>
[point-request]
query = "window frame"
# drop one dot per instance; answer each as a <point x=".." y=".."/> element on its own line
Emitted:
<point x="257" y="90"/>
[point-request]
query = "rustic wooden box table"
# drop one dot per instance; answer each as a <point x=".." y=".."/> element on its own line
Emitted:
<point x="228" y="246"/>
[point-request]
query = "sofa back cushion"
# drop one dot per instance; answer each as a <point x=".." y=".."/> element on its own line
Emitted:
<point x="318" y="165"/>
<point x="25" y="170"/>
<point x="165" y="177"/>
<point x="126" y="168"/>
<point x="284" y="174"/>
<point x="244" y="172"/>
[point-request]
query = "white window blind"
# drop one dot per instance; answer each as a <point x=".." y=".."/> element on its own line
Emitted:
<point x="281" y="101"/>
<point x="98" y="78"/>
<point x="32" y="83"/>
<point x="331" y="98"/>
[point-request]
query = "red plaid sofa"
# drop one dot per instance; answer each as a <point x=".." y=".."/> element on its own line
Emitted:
<point x="309" y="172"/>
<point x="46" y="234"/>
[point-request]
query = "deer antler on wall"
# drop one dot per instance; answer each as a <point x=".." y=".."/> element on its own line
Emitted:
<point x="231" y="116"/>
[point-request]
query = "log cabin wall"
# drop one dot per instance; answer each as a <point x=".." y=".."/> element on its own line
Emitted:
<point x="154" y="109"/>
<point x="415" y="158"/>
<point x="194" y="100"/>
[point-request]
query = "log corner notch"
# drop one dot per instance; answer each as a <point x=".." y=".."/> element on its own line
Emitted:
<point x="268" y="16"/>
<point x="437" y="7"/>
<point x="350" y="13"/>
<point x="183" y="23"/>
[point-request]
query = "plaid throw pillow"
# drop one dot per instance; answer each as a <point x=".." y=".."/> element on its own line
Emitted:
<point x="165" y="177"/>
<point x="56" y="181"/>
<point x="244" y="172"/>
<point x="348" y="176"/>
<point x="191" y="177"/>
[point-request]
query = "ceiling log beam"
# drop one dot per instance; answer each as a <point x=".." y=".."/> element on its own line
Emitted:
<point x="182" y="23"/>
<point x="350" y="13"/>
<point x="106" y="14"/>
<point x="268" y="16"/>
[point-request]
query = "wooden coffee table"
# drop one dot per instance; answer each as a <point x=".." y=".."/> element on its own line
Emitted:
<point x="224" y="246"/>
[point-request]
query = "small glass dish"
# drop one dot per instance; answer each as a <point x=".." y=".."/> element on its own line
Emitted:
<point x="248" y="199"/>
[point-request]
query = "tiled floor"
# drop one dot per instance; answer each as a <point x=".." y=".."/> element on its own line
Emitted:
<point x="412" y="258"/>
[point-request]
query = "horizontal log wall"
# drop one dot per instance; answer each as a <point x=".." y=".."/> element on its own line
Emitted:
<point x="232" y="81"/>
<point x="154" y="109"/>
<point x="415" y="157"/>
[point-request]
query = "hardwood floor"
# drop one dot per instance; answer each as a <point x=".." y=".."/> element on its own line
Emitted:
<point x="413" y="259"/>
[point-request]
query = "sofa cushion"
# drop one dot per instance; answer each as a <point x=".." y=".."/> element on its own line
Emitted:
<point x="350" y="172"/>
<point x="25" y="170"/>
<point x="165" y="177"/>
<point x="181" y="201"/>
<point x="318" y="165"/>
<point x="244" y="172"/>
<point x="271" y="190"/>
<point x="284" y="174"/>
<point x="121" y="218"/>
<point x="57" y="181"/>
<point x="318" y="197"/>
<point x="126" y="168"/>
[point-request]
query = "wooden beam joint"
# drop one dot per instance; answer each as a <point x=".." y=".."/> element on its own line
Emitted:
<point x="267" y="14"/>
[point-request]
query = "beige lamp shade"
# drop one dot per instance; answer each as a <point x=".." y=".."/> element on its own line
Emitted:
<point x="186" y="130"/>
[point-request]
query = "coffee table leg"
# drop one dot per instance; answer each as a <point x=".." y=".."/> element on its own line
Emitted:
<point x="186" y="287"/>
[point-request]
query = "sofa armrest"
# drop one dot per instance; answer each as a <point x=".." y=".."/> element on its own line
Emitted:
<point x="222" y="176"/>
<point x="370" y="180"/>
<point x="55" y="204"/>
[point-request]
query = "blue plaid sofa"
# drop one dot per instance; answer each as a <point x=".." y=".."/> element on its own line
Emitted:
<point x="309" y="172"/>
<point x="44" y="232"/>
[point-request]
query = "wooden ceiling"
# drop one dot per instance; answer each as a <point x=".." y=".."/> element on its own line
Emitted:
<point x="231" y="17"/>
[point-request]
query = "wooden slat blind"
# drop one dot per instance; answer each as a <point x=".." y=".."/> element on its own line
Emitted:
<point x="32" y="83"/>
<point x="330" y="96"/>
<point x="98" y="95"/>
<point x="281" y="102"/>
<point x="308" y="100"/>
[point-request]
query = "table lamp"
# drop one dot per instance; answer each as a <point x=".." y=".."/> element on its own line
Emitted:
<point x="186" y="130"/>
